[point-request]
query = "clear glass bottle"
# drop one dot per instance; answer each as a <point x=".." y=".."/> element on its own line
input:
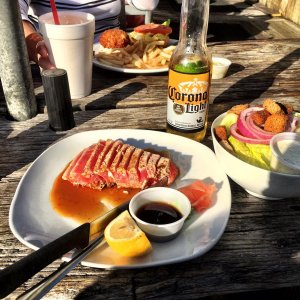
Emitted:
<point x="190" y="74"/>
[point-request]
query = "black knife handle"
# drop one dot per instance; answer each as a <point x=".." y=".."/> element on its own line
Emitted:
<point x="16" y="274"/>
<point x="44" y="286"/>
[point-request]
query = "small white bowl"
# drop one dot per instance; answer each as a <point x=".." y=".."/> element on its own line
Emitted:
<point x="169" y="196"/>
<point x="256" y="181"/>
<point x="285" y="148"/>
<point x="220" y="67"/>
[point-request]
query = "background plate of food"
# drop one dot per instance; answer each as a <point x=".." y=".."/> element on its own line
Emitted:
<point x="35" y="221"/>
<point x="147" y="49"/>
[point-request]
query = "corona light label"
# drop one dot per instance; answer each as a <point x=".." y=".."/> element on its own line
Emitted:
<point x="188" y="96"/>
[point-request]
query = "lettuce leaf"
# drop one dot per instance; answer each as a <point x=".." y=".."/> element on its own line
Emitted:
<point x="254" y="154"/>
<point x="167" y="22"/>
<point x="148" y="37"/>
<point x="228" y="120"/>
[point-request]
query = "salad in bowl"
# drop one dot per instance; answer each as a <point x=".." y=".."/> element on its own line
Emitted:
<point x="241" y="138"/>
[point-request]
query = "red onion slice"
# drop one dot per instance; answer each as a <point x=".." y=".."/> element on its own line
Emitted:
<point x="292" y="123"/>
<point x="258" y="131"/>
<point x="244" y="129"/>
<point x="247" y="127"/>
<point x="241" y="138"/>
<point x="246" y="112"/>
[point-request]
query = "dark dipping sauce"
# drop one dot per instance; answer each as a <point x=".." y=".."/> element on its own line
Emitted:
<point x="158" y="213"/>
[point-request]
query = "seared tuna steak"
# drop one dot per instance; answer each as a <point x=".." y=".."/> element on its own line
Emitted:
<point x="109" y="163"/>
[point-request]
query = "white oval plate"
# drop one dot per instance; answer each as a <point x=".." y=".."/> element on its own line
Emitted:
<point x="34" y="222"/>
<point x="131" y="70"/>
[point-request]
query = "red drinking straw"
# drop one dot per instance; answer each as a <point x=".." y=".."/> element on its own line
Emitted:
<point x="54" y="12"/>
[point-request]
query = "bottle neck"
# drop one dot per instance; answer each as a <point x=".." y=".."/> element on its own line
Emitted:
<point x="194" y="23"/>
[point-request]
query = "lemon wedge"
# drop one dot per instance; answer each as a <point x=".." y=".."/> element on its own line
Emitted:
<point x="124" y="236"/>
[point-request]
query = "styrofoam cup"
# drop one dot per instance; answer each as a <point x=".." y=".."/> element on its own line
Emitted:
<point x="70" y="47"/>
<point x="220" y="67"/>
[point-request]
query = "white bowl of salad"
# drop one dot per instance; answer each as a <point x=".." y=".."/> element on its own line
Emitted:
<point x="241" y="139"/>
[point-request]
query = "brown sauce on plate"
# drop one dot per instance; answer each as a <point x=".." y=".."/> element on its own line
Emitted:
<point x="84" y="204"/>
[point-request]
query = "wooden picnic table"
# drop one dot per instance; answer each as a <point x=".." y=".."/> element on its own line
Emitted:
<point x="259" y="249"/>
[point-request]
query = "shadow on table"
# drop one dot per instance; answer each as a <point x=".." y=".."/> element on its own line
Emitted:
<point x="263" y="80"/>
<point x="110" y="100"/>
<point x="29" y="140"/>
<point x="234" y="68"/>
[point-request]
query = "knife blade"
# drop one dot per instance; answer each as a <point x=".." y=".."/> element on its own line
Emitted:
<point x="14" y="275"/>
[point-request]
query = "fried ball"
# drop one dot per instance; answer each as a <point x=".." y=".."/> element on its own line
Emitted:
<point x="276" y="123"/>
<point x="237" y="109"/>
<point x="221" y="133"/>
<point x="114" y="38"/>
<point x="272" y="107"/>
<point x="260" y="117"/>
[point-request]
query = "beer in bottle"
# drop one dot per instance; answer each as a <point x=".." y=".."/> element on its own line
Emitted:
<point x="190" y="74"/>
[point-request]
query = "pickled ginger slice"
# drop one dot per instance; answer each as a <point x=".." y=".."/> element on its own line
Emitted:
<point x="200" y="194"/>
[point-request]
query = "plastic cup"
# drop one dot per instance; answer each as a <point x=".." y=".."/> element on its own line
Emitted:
<point x="70" y="47"/>
<point x="220" y="67"/>
<point x="285" y="149"/>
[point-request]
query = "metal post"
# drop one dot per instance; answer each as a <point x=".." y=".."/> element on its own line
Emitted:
<point x="15" y="70"/>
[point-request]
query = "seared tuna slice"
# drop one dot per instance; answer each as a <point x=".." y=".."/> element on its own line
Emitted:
<point x="121" y="174"/>
<point x="133" y="172"/>
<point x="102" y="156"/>
<point x="71" y="165"/>
<point x="104" y="168"/>
<point x="151" y="165"/>
<point x="165" y="168"/>
<point x="90" y="164"/>
<point x="118" y="158"/>
<point x="96" y="180"/>
<point x="151" y="177"/>
<point x="143" y="167"/>
<point x="75" y="174"/>
<point x="78" y="168"/>
<point x="77" y="164"/>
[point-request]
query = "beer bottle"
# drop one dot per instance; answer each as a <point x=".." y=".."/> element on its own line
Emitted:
<point x="190" y="74"/>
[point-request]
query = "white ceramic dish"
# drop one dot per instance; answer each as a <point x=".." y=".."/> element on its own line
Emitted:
<point x="34" y="222"/>
<point x="166" y="195"/>
<point x="130" y="70"/>
<point x="256" y="181"/>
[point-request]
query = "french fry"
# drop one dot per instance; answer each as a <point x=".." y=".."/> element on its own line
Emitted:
<point x="145" y="58"/>
<point x="154" y="53"/>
